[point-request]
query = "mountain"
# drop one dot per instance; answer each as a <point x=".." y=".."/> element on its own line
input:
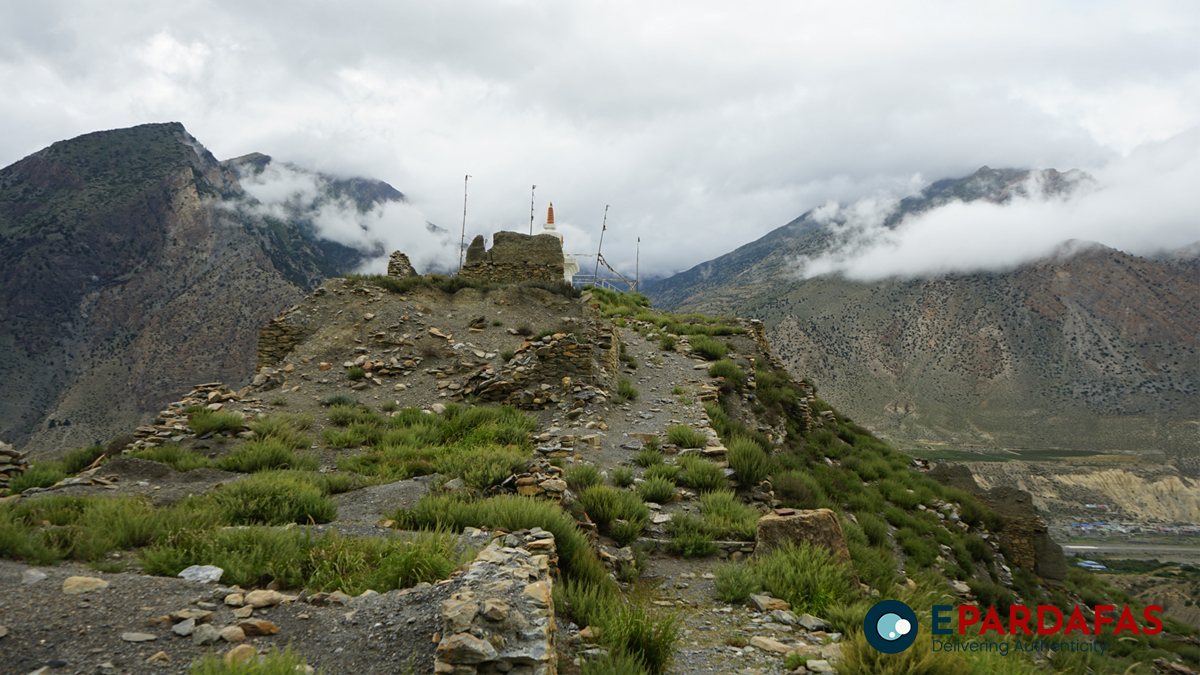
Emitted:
<point x="125" y="257"/>
<point x="1089" y="349"/>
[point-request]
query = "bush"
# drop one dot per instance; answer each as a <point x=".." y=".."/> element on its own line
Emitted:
<point x="690" y="536"/>
<point x="355" y="373"/>
<point x="708" y="347"/>
<point x="635" y="627"/>
<point x="625" y="532"/>
<point x="666" y="343"/>
<point x="274" y="500"/>
<point x="647" y="457"/>
<point x="735" y="582"/>
<point x="577" y="559"/>
<point x="808" y="577"/>
<point x="283" y="428"/>
<point x="207" y="422"/>
<point x="658" y="490"/>
<point x="339" y="399"/>
<point x="729" y="370"/>
<point x="686" y="437"/>
<point x="507" y="355"/>
<point x="582" y="476"/>
<point x="860" y="658"/>
<point x="40" y="475"/>
<point x="626" y="391"/>
<point x="702" y="475"/>
<point x="604" y="505"/>
<point x="874" y="527"/>
<point x="612" y="662"/>
<point x="749" y="461"/>
<point x="668" y="472"/>
<point x="174" y="456"/>
<point x="275" y="662"/>
<point x="727" y="517"/>
<point x="81" y="458"/>
<point x="265" y="455"/>
<point x="799" y="490"/>
<point x="622" y="477"/>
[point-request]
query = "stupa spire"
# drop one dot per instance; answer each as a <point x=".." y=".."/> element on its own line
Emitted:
<point x="550" y="217"/>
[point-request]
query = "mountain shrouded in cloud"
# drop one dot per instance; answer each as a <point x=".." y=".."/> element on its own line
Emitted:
<point x="133" y="265"/>
<point x="959" y="315"/>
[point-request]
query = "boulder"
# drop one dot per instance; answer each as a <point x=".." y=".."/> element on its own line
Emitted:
<point x="819" y="527"/>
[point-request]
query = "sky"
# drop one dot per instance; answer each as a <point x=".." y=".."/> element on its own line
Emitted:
<point x="702" y="125"/>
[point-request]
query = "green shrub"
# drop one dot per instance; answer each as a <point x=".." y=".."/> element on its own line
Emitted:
<point x="604" y="505"/>
<point x="612" y="662"/>
<point x="920" y="551"/>
<point x="658" y="490"/>
<point x="647" y="457"/>
<point x="622" y="477"/>
<point x="626" y="391"/>
<point x="507" y="355"/>
<point x="860" y="658"/>
<point x="269" y="499"/>
<point x="81" y="458"/>
<point x="702" y="475"/>
<point x="582" y="476"/>
<point x="636" y="627"/>
<point x="668" y="472"/>
<point x="729" y="370"/>
<point x="979" y="549"/>
<point x="577" y="559"/>
<point x="174" y="456"/>
<point x="708" y="347"/>
<point x="281" y="402"/>
<point x="389" y="406"/>
<point x="799" y="490"/>
<point x="666" y="343"/>
<point x="339" y="399"/>
<point x="749" y="461"/>
<point x="690" y="537"/>
<point x="686" y="437"/>
<point x="625" y="532"/>
<point x="207" y="422"/>
<point x="727" y="517"/>
<point x="283" y="428"/>
<point x="873" y="527"/>
<point x="808" y="577"/>
<point x="265" y="455"/>
<point x="481" y="467"/>
<point x="40" y="475"/>
<point x="735" y="582"/>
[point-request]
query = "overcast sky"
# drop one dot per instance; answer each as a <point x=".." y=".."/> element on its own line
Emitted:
<point x="703" y="124"/>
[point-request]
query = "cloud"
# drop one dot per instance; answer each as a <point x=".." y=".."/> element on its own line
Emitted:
<point x="704" y="124"/>
<point x="1143" y="203"/>
<point x="287" y="192"/>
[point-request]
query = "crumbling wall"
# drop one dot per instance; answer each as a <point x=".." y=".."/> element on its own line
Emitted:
<point x="399" y="266"/>
<point x="563" y="368"/>
<point x="515" y="257"/>
<point x="500" y="615"/>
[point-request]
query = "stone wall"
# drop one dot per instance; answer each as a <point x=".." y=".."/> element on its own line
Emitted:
<point x="500" y="615"/>
<point x="556" y="369"/>
<point x="515" y="257"/>
<point x="283" y="332"/>
<point x="1025" y="535"/>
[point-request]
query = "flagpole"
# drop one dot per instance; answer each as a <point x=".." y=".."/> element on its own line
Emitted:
<point x="462" y="240"/>
<point x="637" y="267"/>
<point x="603" y="227"/>
<point x="531" y="208"/>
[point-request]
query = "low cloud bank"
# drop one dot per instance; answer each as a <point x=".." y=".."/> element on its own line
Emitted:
<point x="288" y="193"/>
<point x="1143" y="203"/>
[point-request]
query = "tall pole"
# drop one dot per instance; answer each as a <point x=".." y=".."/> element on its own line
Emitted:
<point x="463" y="239"/>
<point x="603" y="227"/>
<point x="637" y="266"/>
<point x="531" y="209"/>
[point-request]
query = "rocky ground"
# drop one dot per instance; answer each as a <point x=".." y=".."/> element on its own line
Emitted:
<point x="91" y="632"/>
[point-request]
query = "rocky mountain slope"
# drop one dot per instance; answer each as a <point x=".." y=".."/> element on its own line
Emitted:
<point x="1091" y="349"/>
<point x="125" y="259"/>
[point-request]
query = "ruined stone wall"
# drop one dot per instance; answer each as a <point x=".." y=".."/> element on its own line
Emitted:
<point x="283" y="333"/>
<point x="514" y="272"/>
<point x="500" y="615"/>
<point x="399" y="266"/>
<point x="515" y="257"/>
<point x="564" y="368"/>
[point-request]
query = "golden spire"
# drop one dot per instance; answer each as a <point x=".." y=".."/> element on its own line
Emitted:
<point x="550" y="215"/>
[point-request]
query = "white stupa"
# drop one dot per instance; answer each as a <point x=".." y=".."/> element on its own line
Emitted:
<point x="570" y="267"/>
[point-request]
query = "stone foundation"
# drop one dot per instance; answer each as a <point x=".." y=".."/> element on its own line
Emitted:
<point x="515" y="258"/>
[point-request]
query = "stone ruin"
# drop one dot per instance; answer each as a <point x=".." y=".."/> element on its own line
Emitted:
<point x="515" y="257"/>
<point x="399" y="266"/>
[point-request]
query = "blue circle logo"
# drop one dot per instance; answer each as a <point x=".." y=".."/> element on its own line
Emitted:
<point x="890" y="626"/>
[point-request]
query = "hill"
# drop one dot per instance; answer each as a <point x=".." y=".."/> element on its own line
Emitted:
<point x="1092" y="349"/>
<point x="121" y="255"/>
